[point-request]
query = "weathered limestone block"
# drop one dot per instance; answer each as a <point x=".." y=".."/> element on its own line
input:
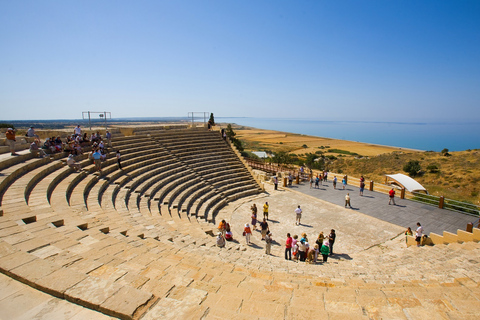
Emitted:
<point x="34" y="270"/>
<point x="15" y="260"/>
<point x="464" y="236"/>
<point x="92" y="292"/>
<point x="449" y="237"/>
<point x="476" y="234"/>
<point x="59" y="281"/>
<point x="436" y="239"/>
<point x="125" y="302"/>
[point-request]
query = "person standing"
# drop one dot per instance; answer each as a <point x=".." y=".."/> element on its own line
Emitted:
<point x="264" y="227"/>
<point x="268" y="243"/>
<point x="97" y="160"/>
<point x="288" y="247"/>
<point x="419" y="234"/>
<point x="254" y="216"/>
<point x="331" y="240"/>
<point x="317" y="181"/>
<point x="347" y="200"/>
<point x="265" y="210"/>
<point x="362" y="187"/>
<point x="119" y="160"/>
<point x="108" y="136"/>
<point x="335" y="182"/>
<point x="10" y="135"/>
<point x="302" y="250"/>
<point x="77" y="131"/>
<point x="391" y="196"/>
<point x="298" y="213"/>
<point x="324" y="250"/>
<point x="344" y="183"/>
<point x="320" y="239"/>
<point x="247" y="232"/>
<point x="275" y="182"/>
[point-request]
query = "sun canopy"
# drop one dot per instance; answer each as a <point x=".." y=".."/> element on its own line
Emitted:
<point x="408" y="183"/>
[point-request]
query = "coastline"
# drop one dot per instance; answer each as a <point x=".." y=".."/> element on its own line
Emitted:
<point x="273" y="139"/>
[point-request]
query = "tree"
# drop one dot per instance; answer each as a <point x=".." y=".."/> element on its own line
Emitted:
<point x="412" y="167"/>
<point x="314" y="161"/>
<point x="445" y="150"/>
<point x="281" y="157"/>
<point x="231" y="136"/>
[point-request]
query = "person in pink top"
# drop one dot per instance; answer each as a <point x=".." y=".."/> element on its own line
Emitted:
<point x="288" y="247"/>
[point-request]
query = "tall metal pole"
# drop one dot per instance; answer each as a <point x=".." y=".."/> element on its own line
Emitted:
<point x="89" y="123"/>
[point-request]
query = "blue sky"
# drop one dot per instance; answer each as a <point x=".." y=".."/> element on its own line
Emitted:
<point x="332" y="60"/>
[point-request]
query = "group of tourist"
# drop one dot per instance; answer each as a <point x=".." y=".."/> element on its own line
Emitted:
<point x="419" y="234"/>
<point x="224" y="233"/>
<point x="72" y="144"/>
<point x="295" y="249"/>
<point x="301" y="250"/>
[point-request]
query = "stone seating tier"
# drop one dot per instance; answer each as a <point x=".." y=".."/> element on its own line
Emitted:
<point x="101" y="253"/>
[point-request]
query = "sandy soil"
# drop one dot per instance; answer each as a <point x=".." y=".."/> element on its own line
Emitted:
<point x="259" y="139"/>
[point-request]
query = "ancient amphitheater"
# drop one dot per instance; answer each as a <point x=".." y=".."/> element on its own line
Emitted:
<point x="138" y="243"/>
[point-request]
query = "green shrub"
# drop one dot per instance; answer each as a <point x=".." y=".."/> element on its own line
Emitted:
<point x="412" y="167"/>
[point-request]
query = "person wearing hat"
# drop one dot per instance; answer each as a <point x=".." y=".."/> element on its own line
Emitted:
<point x="10" y="134"/>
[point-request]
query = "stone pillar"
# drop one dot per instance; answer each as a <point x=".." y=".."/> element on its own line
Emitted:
<point x="402" y="193"/>
<point x="297" y="180"/>
<point x="371" y="185"/>
<point x="285" y="182"/>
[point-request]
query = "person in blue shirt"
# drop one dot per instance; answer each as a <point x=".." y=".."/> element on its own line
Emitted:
<point x="97" y="160"/>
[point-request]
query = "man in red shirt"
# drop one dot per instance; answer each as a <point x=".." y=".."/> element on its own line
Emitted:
<point x="288" y="247"/>
<point x="391" y="195"/>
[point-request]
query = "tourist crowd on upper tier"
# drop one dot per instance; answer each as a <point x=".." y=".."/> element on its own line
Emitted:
<point x="74" y="143"/>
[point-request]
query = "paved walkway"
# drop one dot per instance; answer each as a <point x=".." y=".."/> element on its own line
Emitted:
<point x="405" y="213"/>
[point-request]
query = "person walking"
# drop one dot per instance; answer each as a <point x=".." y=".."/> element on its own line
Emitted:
<point x="275" y="182"/>
<point x="247" y="232"/>
<point x="265" y="210"/>
<point x="344" y="183"/>
<point x="335" y="182"/>
<point x="347" y="200"/>
<point x="362" y="185"/>
<point x="288" y="247"/>
<point x="298" y="213"/>
<point x="268" y="243"/>
<point x="391" y="196"/>
<point x="331" y="240"/>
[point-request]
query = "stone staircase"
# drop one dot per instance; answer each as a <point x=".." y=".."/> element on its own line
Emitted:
<point x="137" y="244"/>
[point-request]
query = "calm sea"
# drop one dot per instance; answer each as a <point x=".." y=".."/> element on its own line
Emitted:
<point x="422" y="136"/>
